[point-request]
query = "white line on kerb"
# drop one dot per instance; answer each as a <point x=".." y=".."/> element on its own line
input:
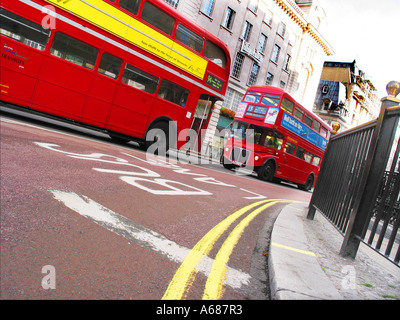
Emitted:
<point x="141" y="235"/>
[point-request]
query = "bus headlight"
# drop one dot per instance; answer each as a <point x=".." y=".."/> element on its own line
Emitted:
<point x="226" y="149"/>
<point x="256" y="158"/>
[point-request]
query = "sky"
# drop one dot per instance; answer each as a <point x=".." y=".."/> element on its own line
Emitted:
<point x="369" y="32"/>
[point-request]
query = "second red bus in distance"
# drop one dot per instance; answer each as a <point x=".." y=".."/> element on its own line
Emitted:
<point x="276" y="137"/>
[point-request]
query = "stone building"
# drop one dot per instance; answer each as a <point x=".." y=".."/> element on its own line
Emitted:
<point x="345" y="95"/>
<point x="273" y="42"/>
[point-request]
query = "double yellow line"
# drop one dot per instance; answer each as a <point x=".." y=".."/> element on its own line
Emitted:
<point x="186" y="273"/>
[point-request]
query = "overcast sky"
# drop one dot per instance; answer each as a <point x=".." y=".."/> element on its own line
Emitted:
<point x="368" y="31"/>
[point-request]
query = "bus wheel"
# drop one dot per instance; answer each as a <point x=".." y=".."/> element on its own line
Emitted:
<point x="309" y="183"/>
<point x="267" y="171"/>
<point x="157" y="139"/>
<point x="226" y="163"/>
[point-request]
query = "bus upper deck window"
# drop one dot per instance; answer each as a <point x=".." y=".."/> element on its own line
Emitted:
<point x="158" y="18"/>
<point x="253" y="97"/>
<point x="189" y="38"/>
<point x="215" y="54"/>
<point x="130" y="5"/>
<point x="287" y="105"/>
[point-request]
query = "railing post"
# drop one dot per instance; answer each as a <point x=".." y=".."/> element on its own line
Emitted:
<point x="376" y="161"/>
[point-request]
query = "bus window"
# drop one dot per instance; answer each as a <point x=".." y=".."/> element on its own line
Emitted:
<point x="324" y="132"/>
<point x="130" y="5"/>
<point x="23" y="30"/>
<point x="299" y="152"/>
<point x="239" y="129"/>
<point x="299" y="114"/>
<point x="308" y="121"/>
<point x="316" y="125"/>
<point x="74" y="50"/>
<point x="158" y="18"/>
<point x="270" y="100"/>
<point x="273" y="139"/>
<point x="189" y="38"/>
<point x="316" y="161"/>
<point x="172" y="92"/>
<point x="308" y="157"/>
<point x="139" y="79"/>
<point x="289" y="148"/>
<point x="253" y="97"/>
<point x="110" y="65"/>
<point x="215" y="54"/>
<point x="287" y="105"/>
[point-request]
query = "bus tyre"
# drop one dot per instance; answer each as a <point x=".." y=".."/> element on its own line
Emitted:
<point x="309" y="183"/>
<point x="226" y="163"/>
<point x="157" y="139"/>
<point x="267" y="171"/>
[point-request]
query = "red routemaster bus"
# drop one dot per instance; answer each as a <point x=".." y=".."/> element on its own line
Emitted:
<point x="276" y="136"/>
<point x="125" y="66"/>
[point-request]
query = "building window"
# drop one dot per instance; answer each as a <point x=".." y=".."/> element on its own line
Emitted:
<point x="229" y="18"/>
<point x="269" y="79"/>
<point x="282" y="29"/>
<point x="254" y="74"/>
<point x="237" y="98"/>
<point x="287" y="62"/>
<point x="246" y="31"/>
<point x="282" y="84"/>
<point x="275" y="53"/>
<point x="173" y="3"/>
<point x="253" y="5"/>
<point x="232" y="99"/>
<point x="262" y="42"/>
<point x="237" y="66"/>
<point x="207" y="7"/>
<point x="268" y="17"/>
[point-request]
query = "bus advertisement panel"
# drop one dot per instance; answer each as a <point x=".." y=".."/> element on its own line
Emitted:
<point x="276" y="137"/>
<point x="137" y="69"/>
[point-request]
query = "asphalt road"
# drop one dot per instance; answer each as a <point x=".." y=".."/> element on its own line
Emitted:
<point x="85" y="218"/>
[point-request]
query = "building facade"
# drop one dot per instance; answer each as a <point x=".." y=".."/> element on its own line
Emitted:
<point x="273" y="42"/>
<point x="345" y="95"/>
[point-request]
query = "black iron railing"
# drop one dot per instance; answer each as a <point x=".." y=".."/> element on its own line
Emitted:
<point x="358" y="188"/>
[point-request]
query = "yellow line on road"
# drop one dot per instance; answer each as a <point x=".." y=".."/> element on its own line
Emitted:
<point x="215" y="281"/>
<point x="309" y="253"/>
<point x="186" y="273"/>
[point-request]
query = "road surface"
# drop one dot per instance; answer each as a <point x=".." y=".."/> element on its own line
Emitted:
<point x="85" y="218"/>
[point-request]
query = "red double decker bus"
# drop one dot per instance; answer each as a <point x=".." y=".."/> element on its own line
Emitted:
<point x="124" y="66"/>
<point x="277" y="137"/>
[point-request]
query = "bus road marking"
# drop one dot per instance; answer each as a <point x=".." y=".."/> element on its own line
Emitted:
<point x="142" y="236"/>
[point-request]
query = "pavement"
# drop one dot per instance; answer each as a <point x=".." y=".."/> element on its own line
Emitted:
<point x="304" y="263"/>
